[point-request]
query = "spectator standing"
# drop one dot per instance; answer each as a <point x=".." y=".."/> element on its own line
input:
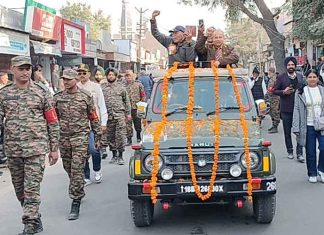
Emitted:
<point x="286" y="85"/>
<point x="99" y="101"/>
<point x="309" y="105"/>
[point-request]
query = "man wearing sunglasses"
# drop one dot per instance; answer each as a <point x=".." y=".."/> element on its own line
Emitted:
<point x="31" y="131"/>
<point x="99" y="101"/>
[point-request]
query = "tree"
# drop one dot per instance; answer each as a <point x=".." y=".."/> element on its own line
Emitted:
<point x="82" y="12"/>
<point x="245" y="35"/>
<point x="251" y="8"/>
<point x="309" y="19"/>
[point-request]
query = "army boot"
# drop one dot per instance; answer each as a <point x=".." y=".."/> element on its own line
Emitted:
<point x="33" y="229"/>
<point x="120" y="159"/>
<point x="75" y="208"/>
<point x="273" y="130"/>
<point x="138" y="135"/>
<point x="129" y="141"/>
<point x="114" y="157"/>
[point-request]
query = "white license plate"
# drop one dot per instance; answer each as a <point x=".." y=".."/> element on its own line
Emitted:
<point x="202" y="188"/>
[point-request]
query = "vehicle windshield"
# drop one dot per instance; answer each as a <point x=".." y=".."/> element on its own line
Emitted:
<point x="204" y="96"/>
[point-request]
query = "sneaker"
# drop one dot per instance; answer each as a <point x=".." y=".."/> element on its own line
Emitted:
<point x="87" y="182"/>
<point x="321" y="174"/>
<point x="312" y="179"/>
<point x="290" y="156"/>
<point x="121" y="161"/>
<point x="98" y="177"/>
<point x="300" y="158"/>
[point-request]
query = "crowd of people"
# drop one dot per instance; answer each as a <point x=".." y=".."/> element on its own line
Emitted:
<point x="86" y="115"/>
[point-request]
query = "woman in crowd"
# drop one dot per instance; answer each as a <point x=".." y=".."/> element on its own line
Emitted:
<point x="38" y="77"/>
<point x="309" y="105"/>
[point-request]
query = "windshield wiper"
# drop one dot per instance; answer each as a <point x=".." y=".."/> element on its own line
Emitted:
<point x="183" y="108"/>
<point x="221" y="109"/>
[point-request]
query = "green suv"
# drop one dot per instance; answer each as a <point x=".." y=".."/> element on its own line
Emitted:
<point x="174" y="185"/>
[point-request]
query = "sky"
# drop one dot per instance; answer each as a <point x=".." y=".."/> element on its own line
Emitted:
<point x="172" y="13"/>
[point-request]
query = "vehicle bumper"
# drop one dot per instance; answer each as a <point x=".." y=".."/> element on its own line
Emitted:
<point x="184" y="189"/>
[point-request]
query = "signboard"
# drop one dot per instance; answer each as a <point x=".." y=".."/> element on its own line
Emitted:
<point x="43" y="24"/>
<point x="46" y="48"/>
<point x="14" y="43"/>
<point x="73" y="38"/>
<point x="30" y="4"/>
<point x="11" y="19"/>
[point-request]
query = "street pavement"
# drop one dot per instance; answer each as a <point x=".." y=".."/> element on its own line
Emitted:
<point x="105" y="209"/>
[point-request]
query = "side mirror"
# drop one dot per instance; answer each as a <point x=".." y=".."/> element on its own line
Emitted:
<point x="141" y="109"/>
<point x="261" y="107"/>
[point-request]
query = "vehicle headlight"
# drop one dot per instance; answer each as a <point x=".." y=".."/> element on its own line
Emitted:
<point x="254" y="159"/>
<point x="235" y="170"/>
<point x="148" y="162"/>
<point x="166" y="174"/>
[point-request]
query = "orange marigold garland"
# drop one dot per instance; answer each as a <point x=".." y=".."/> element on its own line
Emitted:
<point x="159" y="130"/>
<point x="189" y="123"/>
<point x="245" y="127"/>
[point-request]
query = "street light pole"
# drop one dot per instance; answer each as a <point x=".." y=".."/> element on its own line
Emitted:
<point x="139" y="56"/>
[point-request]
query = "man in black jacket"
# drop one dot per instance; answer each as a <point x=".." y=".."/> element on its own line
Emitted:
<point x="285" y="87"/>
<point x="181" y="47"/>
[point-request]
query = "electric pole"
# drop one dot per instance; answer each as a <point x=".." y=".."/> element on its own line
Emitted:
<point x="141" y="28"/>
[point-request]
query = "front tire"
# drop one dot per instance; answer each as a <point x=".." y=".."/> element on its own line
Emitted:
<point x="264" y="208"/>
<point x="142" y="212"/>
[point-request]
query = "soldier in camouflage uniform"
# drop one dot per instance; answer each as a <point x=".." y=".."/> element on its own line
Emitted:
<point x="118" y="107"/>
<point x="75" y="109"/>
<point x="136" y="93"/>
<point x="274" y="102"/>
<point x="31" y="130"/>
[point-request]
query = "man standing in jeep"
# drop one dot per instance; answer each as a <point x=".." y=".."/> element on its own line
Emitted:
<point x="180" y="45"/>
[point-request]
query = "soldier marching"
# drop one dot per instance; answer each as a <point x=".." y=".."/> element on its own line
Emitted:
<point x="75" y="109"/>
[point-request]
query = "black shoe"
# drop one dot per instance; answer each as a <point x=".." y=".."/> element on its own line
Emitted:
<point x="300" y="158"/>
<point x="138" y="136"/>
<point x="270" y="128"/>
<point x="33" y="229"/>
<point x="104" y="154"/>
<point x="75" y="209"/>
<point x="273" y="130"/>
<point x="129" y="141"/>
<point x="114" y="157"/>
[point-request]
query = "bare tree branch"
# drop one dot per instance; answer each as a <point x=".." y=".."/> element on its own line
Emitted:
<point x="245" y="10"/>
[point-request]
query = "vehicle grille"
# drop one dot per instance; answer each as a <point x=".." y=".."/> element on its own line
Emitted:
<point x="180" y="163"/>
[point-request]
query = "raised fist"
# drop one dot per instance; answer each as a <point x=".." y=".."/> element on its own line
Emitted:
<point x="155" y="14"/>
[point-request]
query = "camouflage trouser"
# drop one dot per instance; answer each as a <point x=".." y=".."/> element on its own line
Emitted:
<point x="116" y="134"/>
<point x="27" y="175"/>
<point x="275" y="109"/>
<point x="74" y="155"/>
<point x="137" y="124"/>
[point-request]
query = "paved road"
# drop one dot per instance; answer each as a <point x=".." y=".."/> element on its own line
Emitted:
<point x="105" y="210"/>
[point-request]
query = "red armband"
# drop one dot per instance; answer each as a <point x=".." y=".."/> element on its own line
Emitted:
<point x="93" y="116"/>
<point x="142" y="94"/>
<point x="50" y="116"/>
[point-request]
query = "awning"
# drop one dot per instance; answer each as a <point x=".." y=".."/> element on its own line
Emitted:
<point x="46" y="48"/>
<point x="115" y="56"/>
